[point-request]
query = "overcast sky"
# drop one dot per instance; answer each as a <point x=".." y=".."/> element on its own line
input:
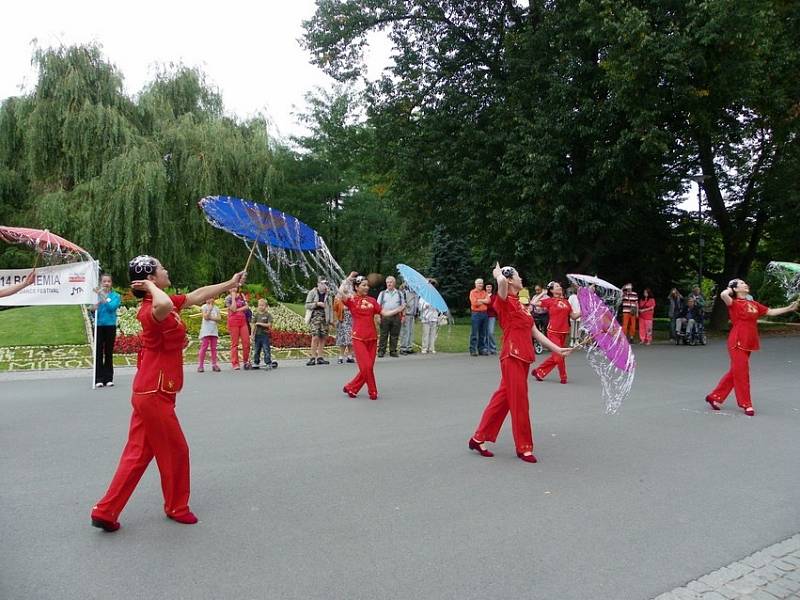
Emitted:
<point x="249" y="50"/>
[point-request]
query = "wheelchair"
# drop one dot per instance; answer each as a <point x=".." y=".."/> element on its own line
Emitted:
<point x="694" y="338"/>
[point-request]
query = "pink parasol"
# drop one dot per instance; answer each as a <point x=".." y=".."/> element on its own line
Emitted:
<point x="607" y="351"/>
<point x="46" y="244"/>
<point x="599" y="323"/>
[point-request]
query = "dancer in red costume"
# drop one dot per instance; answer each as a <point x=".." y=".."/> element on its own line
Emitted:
<point x="742" y="340"/>
<point x="559" y="311"/>
<point x="516" y="357"/>
<point x="364" y="309"/>
<point x="155" y="430"/>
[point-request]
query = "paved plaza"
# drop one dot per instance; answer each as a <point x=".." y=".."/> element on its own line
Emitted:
<point x="303" y="493"/>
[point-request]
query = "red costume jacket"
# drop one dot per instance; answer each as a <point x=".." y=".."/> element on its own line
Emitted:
<point x="160" y="361"/>
<point x="744" y="315"/>
<point x="517" y="324"/>
<point x="558" y="310"/>
<point x="363" y="309"/>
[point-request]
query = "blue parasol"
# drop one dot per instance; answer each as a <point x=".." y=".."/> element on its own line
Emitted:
<point x="417" y="282"/>
<point x="288" y="248"/>
<point x="259" y="223"/>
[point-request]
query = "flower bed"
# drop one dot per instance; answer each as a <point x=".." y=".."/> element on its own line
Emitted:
<point x="294" y="339"/>
<point x="289" y="329"/>
<point x="127" y="344"/>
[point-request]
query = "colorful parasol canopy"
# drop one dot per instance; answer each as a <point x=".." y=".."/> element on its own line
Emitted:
<point x="422" y="287"/>
<point x="50" y="246"/>
<point x="260" y="223"/>
<point x="599" y="323"/>
<point x="608" y="292"/>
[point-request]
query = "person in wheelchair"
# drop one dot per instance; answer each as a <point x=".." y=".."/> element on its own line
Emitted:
<point x="689" y="325"/>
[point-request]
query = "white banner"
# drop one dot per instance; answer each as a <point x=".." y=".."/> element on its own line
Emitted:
<point x="73" y="283"/>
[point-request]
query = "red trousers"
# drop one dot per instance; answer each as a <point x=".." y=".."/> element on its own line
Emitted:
<point x="629" y="324"/>
<point x="555" y="360"/>
<point x="154" y="432"/>
<point x="512" y="395"/>
<point x="737" y="379"/>
<point x="239" y="333"/>
<point x="365" y="351"/>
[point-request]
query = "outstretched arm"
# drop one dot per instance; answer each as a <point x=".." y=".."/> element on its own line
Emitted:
<point x="202" y="294"/>
<point x="13" y="289"/>
<point x="777" y="312"/>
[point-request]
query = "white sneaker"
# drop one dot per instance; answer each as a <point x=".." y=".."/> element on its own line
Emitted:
<point x="110" y="384"/>
<point x="433" y="351"/>
<point x="98" y="385"/>
<point x="424" y="351"/>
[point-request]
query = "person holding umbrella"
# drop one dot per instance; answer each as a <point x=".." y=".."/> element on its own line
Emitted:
<point x="10" y="290"/>
<point x="742" y="340"/>
<point x="154" y="428"/>
<point x="516" y="357"/>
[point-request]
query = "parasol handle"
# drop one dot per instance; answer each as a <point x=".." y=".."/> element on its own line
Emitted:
<point x="36" y="260"/>
<point x="583" y="342"/>
<point x="249" y="258"/>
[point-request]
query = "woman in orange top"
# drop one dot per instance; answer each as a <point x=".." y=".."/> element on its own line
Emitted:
<point x="363" y="309"/>
<point x="742" y="340"/>
<point x="154" y="429"/>
<point x="516" y="356"/>
<point x="559" y="312"/>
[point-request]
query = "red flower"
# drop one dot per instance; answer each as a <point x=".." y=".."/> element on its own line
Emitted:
<point x="128" y="344"/>
<point x="293" y="339"/>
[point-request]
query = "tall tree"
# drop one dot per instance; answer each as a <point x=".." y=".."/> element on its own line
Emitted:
<point x="499" y="122"/>
<point x="725" y="77"/>
<point x="332" y="183"/>
<point x="122" y="177"/>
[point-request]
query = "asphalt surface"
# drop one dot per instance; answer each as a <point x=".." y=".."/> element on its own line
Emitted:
<point x="305" y="493"/>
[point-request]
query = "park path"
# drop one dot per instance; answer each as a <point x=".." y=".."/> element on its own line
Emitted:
<point x="304" y="493"/>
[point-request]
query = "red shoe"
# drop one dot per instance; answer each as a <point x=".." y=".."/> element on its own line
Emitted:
<point x="529" y="458"/>
<point x="474" y="445"/>
<point x="713" y="403"/>
<point x="564" y="381"/>
<point x="373" y="396"/>
<point x="187" y="518"/>
<point x="109" y="526"/>
<point x="538" y="377"/>
<point x="348" y="392"/>
<point x="749" y="411"/>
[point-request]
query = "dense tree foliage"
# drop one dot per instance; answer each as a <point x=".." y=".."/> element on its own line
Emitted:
<point x="560" y="135"/>
<point x="121" y="176"/>
<point x="552" y="135"/>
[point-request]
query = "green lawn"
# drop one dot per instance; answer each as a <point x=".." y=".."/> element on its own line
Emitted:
<point x="300" y="309"/>
<point x="42" y="326"/>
